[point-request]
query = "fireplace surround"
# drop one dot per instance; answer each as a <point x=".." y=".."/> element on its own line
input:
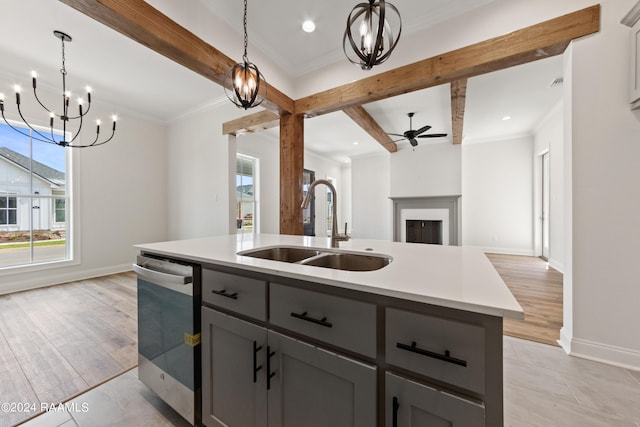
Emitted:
<point x="411" y="210"/>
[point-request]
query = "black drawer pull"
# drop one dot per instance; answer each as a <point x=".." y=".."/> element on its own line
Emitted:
<point x="444" y="357"/>
<point x="396" y="405"/>
<point x="225" y="294"/>
<point x="303" y="316"/>
<point x="270" y="374"/>
<point x="256" y="368"/>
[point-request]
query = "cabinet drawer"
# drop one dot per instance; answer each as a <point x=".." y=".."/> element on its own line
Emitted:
<point x="339" y="321"/>
<point x="439" y="348"/>
<point x="408" y="403"/>
<point x="240" y="294"/>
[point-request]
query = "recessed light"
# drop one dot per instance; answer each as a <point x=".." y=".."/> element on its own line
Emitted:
<point x="505" y="118"/>
<point x="355" y="143"/>
<point x="308" y="26"/>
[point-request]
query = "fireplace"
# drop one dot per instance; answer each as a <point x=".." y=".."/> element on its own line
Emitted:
<point x="419" y="231"/>
<point x="432" y="220"/>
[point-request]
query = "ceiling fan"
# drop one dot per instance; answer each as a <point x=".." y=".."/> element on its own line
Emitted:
<point x="411" y="134"/>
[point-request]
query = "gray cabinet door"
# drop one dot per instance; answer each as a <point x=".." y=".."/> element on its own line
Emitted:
<point x="312" y="387"/>
<point x="234" y="392"/>
<point x="411" y="404"/>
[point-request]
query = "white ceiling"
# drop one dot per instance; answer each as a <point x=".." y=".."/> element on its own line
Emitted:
<point x="135" y="81"/>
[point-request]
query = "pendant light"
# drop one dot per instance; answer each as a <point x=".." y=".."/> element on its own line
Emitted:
<point x="245" y="85"/>
<point x="376" y="38"/>
<point x="64" y="115"/>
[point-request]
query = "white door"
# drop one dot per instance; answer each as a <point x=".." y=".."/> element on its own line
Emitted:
<point x="312" y="387"/>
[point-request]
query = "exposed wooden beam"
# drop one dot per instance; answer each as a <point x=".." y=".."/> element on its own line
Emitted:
<point x="366" y="122"/>
<point x="143" y="23"/>
<point x="458" y="99"/>
<point x="291" y="173"/>
<point x="538" y="41"/>
<point x="252" y="123"/>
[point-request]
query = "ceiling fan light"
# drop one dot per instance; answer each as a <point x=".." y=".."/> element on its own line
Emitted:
<point x="376" y="38"/>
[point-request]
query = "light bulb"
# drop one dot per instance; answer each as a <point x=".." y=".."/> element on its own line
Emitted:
<point x="80" y="101"/>
<point x="88" y="89"/>
<point x="98" y="122"/>
<point x="34" y="74"/>
<point x="1" y="96"/>
<point x="114" y="118"/>
<point x="17" y="88"/>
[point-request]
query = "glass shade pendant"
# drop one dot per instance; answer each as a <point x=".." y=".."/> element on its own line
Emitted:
<point x="244" y="84"/>
<point x="377" y="26"/>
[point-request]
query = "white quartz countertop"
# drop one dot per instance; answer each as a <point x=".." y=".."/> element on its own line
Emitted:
<point x="449" y="276"/>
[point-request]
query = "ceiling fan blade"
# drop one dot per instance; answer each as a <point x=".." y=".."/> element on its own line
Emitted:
<point x="422" y="129"/>
<point x="433" y="135"/>
<point x="398" y="140"/>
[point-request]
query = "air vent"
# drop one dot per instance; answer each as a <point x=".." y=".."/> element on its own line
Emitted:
<point x="557" y="82"/>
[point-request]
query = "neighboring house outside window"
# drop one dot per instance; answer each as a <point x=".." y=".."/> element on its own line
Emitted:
<point x="8" y="209"/>
<point x="246" y="194"/>
<point x="33" y="200"/>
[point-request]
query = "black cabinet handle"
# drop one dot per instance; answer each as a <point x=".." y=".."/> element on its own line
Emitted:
<point x="225" y="294"/>
<point x="256" y="349"/>
<point x="396" y="405"/>
<point x="303" y="316"/>
<point x="444" y="357"/>
<point x="270" y="374"/>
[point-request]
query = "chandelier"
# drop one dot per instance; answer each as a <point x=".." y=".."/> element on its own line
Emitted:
<point x="376" y="39"/>
<point x="65" y="116"/>
<point x="244" y="84"/>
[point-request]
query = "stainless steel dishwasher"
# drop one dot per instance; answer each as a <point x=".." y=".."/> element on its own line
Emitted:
<point x="169" y="355"/>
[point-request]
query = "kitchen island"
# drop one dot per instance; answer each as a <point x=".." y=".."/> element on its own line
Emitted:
<point x="416" y="342"/>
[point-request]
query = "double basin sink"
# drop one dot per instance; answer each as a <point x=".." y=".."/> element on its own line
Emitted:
<point x="327" y="258"/>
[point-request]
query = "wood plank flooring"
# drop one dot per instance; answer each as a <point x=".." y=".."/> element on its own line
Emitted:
<point x="538" y="289"/>
<point x="60" y="341"/>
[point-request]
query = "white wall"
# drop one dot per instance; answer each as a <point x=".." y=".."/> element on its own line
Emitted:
<point x="497" y="196"/>
<point x="370" y="189"/>
<point x="549" y="137"/>
<point x="605" y="138"/>
<point x="426" y="170"/>
<point x="201" y="173"/>
<point x="120" y="196"/>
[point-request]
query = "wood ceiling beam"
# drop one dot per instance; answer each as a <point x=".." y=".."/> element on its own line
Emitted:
<point x="143" y="23"/>
<point x="538" y="41"/>
<point x="359" y="115"/>
<point x="252" y="123"/>
<point x="458" y="100"/>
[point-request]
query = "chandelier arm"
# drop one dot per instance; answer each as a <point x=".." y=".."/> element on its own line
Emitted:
<point x="84" y="113"/>
<point x="78" y="131"/>
<point x="44" y="138"/>
<point x="20" y="131"/>
<point x="35" y="95"/>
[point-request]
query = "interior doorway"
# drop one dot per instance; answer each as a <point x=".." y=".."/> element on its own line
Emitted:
<point x="309" y="213"/>
<point x="544" y="214"/>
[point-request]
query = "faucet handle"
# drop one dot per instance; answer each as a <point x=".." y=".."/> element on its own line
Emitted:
<point x="343" y="237"/>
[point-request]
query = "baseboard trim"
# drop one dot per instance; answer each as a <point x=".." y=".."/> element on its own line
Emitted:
<point x="604" y="353"/>
<point x="558" y="266"/>
<point x="54" y="277"/>
<point x="508" y="251"/>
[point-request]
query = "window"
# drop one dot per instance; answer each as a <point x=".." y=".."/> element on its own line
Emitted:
<point x="246" y="194"/>
<point x="34" y="199"/>
<point x="8" y="210"/>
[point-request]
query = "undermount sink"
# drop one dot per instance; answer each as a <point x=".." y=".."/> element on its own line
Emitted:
<point x="282" y="253"/>
<point x="321" y="258"/>
<point x="349" y="261"/>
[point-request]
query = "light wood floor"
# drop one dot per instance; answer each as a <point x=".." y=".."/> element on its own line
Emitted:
<point x="538" y="289"/>
<point x="60" y="341"/>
